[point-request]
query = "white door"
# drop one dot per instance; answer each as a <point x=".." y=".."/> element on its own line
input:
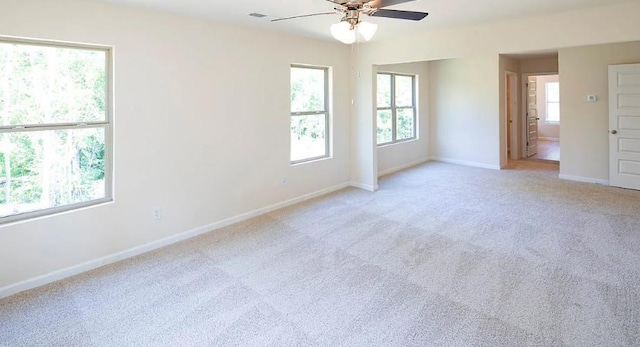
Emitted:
<point x="532" y="117"/>
<point x="624" y="125"/>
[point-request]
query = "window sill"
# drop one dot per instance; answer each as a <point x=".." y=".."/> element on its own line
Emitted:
<point x="309" y="161"/>
<point x="27" y="217"/>
<point x="413" y="139"/>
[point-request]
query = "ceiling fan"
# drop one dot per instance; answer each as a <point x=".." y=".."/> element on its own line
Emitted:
<point x="345" y="30"/>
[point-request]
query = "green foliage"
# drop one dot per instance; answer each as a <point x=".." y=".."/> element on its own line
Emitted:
<point x="307" y="90"/>
<point x="51" y="85"/>
<point x="385" y="126"/>
<point x="404" y="124"/>
<point x="402" y="105"/>
<point x="308" y="131"/>
<point x="308" y="126"/>
<point x="404" y="91"/>
<point x="384" y="90"/>
<point x="91" y="157"/>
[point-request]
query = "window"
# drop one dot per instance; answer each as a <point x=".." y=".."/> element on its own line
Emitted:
<point x="309" y="113"/>
<point x="552" y="90"/>
<point x="396" y="108"/>
<point x="55" y="127"/>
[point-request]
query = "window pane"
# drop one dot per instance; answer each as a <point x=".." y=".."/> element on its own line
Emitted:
<point x="308" y="137"/>
<point x="404" y="123"/>
<point x="51" y="168"/>
<point x="404" y="91"/>
<point x="553" y="112"/>
<point x="45" y="84"/>
<point x="384" y="90"/>
<point x="553" y="91"/>
<point x="307" y="89"/>
<point x="385" y="127"/>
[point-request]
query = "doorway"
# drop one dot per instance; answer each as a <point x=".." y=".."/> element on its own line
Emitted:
<point x="511" y="102"/>
<point x="542" y="117"/>
<point x="624" y="115"/>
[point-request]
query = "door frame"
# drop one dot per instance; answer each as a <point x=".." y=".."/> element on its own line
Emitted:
<point x="523" y="128"/>
<point x="512" y="126"/>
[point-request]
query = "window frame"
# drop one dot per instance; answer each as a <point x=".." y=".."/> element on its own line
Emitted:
<point x="326" y="112"/>
<point x="394" y="109"/>
<point x="106" y="125"/>
<point x="547" y="102"/>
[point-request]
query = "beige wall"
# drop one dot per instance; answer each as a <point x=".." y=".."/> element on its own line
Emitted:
<point x="585" y="125"/>
<point x="586" y="26"/>
<point x="549" y="131"/>
<point x="399" y="155"/>
<point x="201" y="128"/>
<point x="465" y="111"/>
<point x="540" y="65"/>
<point x="594" y="25"/>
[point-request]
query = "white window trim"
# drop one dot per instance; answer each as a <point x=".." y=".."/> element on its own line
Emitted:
<point x="107" y="124"/>
<point x="327" y="122"/>
<point x="393" y="108"/>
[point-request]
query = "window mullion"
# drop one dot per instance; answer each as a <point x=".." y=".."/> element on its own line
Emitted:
<point x="327" y="123"/>
<point x="43" y="127"/>
<point x="75" y="155"/>
<point x="393" y="109"/>
<point x="414" y="102"/>
<point x="298" y="154"/>
<point x="307" y="113"/>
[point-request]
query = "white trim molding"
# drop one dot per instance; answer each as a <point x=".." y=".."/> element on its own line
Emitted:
<point x="363" y="186"/>
<point x="467" y="163"/>
<point x="402" y="167"/>
<point x="132" y="252"/>
<point x="584" y="179"/>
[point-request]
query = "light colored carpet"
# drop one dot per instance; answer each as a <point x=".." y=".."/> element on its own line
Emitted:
<point x="442" y="255"/>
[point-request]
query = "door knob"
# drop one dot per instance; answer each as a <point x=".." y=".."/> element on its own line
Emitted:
<point x="614" y="132"/>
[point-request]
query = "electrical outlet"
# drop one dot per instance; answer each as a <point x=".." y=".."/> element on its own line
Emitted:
<point x="284" y="181"/>
<point x="157" y="213"/>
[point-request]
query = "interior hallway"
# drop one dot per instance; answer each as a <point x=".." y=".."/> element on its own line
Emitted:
<point x="548" y="150"/>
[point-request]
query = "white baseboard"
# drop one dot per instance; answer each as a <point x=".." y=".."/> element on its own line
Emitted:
<point x="402" y="167"/>
<point x="553" y="139"/>
<point x="584" y="179"/>
<point x="363" y="186"/>
<point x="132" y="252"/>
<point x="466" y="163"/>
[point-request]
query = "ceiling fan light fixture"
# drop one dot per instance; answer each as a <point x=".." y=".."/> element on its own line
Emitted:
<point x="342" y="32"/>
<point x="367" y="30"/>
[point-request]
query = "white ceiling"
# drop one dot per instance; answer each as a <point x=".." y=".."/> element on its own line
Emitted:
<point x="443" y="13"/>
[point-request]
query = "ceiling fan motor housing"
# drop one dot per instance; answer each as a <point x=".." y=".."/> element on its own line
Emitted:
<point x="352" y="16"/>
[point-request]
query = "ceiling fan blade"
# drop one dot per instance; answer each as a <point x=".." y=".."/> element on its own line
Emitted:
<point x="410" y="15"/>
<point x="385" y="3"/>
<point x="303" y="16"/>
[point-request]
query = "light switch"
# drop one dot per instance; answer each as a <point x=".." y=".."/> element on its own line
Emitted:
<point x="592" y="98"/>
